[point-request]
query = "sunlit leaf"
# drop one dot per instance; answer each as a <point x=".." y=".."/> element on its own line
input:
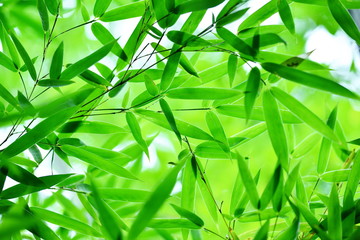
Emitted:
<point x="57" y="62"/>
<point x="100" y="7"/>
<point x="286" y="16"/>
<point x="131" y="10"/>
<point x="136" y="132"/>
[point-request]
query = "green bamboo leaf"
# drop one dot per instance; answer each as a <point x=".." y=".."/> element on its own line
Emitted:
<point x="151" y="87"/>
<point x="90" y="127"/>
<point x="291" y="232"/>
<point x="352" y="183"/>
<point x="309" y="79"/>
<point x="161" y="12"/>
<point x="232" y="67"/>
<point x="52" y="5"/>
<point x="97" y="161"/>
<point x="70" y="181"/>
<point x="114" y="156"/>
<point x="275" y="128"/>
<point x="6" y="41"/>
<point x="262" y="233"/>
<point x="20" y="175"/>
<point x="155" y="201"/>
<point x="26" y="105"/>
<point x="24" y="162"/>
<point x="40" y="131"/>
<point x="172" y="223"/>
<point x="196" y="5"/>
<point x="7" y="62"/>
<point x="304" y="114"/>
<point x="57" y="62"/>
<point x="189" y="215"/>
<point x="235" y="42"/>
<point x="311" y="220"/>
<point x="100" y="7"/>
<point x="94" y="79"/>
<point x="336" y="176"/>
<point x="238" y="111"/>
<point x="344" y="19"/>
<point x="6" y="95"/>
<point x="231" y="17"/>
<point x="25" y="57"/>
<point x="83" y="64"/>
<point x="84" y="13"/>
<point x="355" y="141"/>
<point x="136" y="132"/>
<point x="212" y="150"/>
<point x="186" y="39"/>
<point x="43" y="14"/>
<point x="305" y="146"/>
<point x="217" y="130"/>
<point x="270" y="189"/>
<point x="291" y="180"/>
<point x="104" y="36"/>
<point x="126" y="195"/>
<point x="248" y="181"/>
<point x="54" y="83"/>
<point x="170" y="68"/>
<point x="285" y="15"/>
<point x="22" y="189"/>
<point x="64" y="221"/>
<point x="259" y="16"/>
<point x="252" y="89"/>
<point x="334" y="215"/>
<point x="202" y="93"/>
<point x="127" y="11"/>
<point x="324" y="153"/>
<point x="106" y="215"/>
<point x="170" y="117"/>
<point x="183" y="127"/>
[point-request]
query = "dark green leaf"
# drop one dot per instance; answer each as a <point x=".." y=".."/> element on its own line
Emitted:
<point x="275" y="128"/>
<point x="202" y="93"/>
<point x="100" y="7"/>
<point x="90" y="127"/>
<point x="136" y="131"/>
<point x="57" y="62"/>
<point x="97" y="161"/>
<point x="189" y="215"/>
<point x="252" y="89"/>
<point x="52" y="5"/>
<point x="232" y="68"/>
<point x="286" y="16"/>
<point x="43" y="14"/>
<point x="131" y="10"/>
<point x="196" y="5"/>
<point x="155" y="201"/>
<point x="186" y="39"/>
<point x="54" y="83"/>
<point x="309" y="80"/>
<point x="83" y="64"/>
<point x="25" y="57"/>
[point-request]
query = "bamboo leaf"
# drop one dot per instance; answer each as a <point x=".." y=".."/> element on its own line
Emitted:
<point x="189" y="215"/>
<point x="64" y="221"/>
<point x="336" y="176"/>
<point x="97" y="161"/>
<point x="43" y="14"/>
<point x="352" y="183"/>
<point x="127" y="11"/>
<point x="136" y="132"/>
<point x="217" y="130"/>
<point x="106" y="216"/>
<point x="22" y="189"/>
<point x="275" y="128"/>
<point x="172" y="223"/>
<point x="334" y="215"/>
<point x="186" y="39"/>
<point x="252" y="89"/>
<point x="291" y="232"/>
<point x="259" y="16"/>
<point x="232" y="67"/>
<point x="304" y="114"/>
<point x="155" y="201"/>
<point x="40" y="131"/>
<point x="308" y="79"/>
<point x="262" y="233"/>
<point x="344" y="19"/>
<point x="104" y="36"/>
<point x="235" y="42"/>
<point x="54" y="83"/>
<point x="100" y="7"/>
<point x="25" y="57"/>
<point x="324" y="153"/>
<point x="170" y="68"/>
<point x="7" y="62"/>
<point x="57" y="62"/>
<point x="83" y="64"/>
<point x="196" y="5"/>
<point x="126" y="195"/>
<point x="248" y="181"/>
<point x="151" y="86"/>
<point x="6" y="95"/>
<point x="170" y="117"/>
<point x="202" y="93"/>
<point x="52" y="5"/>
<point x="285" y="15"/>
<point x="90" y="127"/>
<point x="238" y="111"/>
<point x="183" y="127"/>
